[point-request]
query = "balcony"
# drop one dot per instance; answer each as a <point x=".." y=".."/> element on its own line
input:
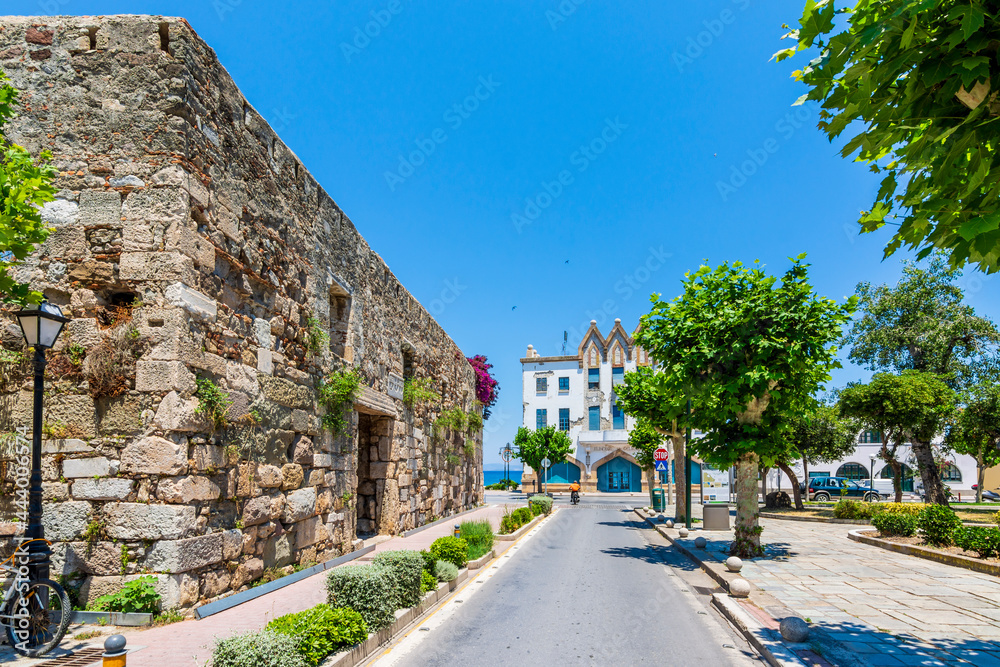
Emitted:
<point x="616" y="436"/>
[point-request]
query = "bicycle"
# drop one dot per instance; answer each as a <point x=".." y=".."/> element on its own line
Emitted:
<point x="35" y="614"/>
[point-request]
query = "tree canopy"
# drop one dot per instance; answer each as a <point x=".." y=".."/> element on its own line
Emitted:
<point x="25" y="185"/>
<point x="534" y="446"/>
<point x="646" y="395"/>
<point x="919" y="78"/>
<point x="645" y="440"/>
<point x="822" y="436"/>
<point x="976" y="429"/>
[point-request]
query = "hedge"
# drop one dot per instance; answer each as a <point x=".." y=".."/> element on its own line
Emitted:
<point x="406" y="567"/>
<point x="322" y="630"/>
<point x="452" y="549"/>
<point x="258" y="649"/>
<point x="368" y="590"/>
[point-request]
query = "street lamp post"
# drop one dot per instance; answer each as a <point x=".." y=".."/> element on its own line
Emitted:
<point x="871" y="483"/>
<point x="41" y="327"/>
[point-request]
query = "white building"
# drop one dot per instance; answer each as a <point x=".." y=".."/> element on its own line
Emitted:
<point x="575" y="393"/>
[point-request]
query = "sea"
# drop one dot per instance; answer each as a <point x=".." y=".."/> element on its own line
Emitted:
<point x="494" y="476"/>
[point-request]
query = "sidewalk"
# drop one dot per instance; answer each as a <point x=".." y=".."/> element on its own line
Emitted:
<point x="189" y="643"/>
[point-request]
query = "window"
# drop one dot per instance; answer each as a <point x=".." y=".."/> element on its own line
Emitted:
<point x="951" y="473"/>
<point x="563" y="419"/>
<point x="617" y="416"/>
<point x="853" y="471"/>
<point x="541" y="385"/>
<point x="340" y="319"/>
<point x="594" y="417"/>
<point x="593" y="378"/>
<point x="871" y="437"/>
<point x="541" y="418"/>
<point x="564" y="384"/>
<point x="617" y="376"/>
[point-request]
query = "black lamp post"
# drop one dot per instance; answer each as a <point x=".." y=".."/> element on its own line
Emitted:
<point x="41" y="327"/>
<point x="872" y="482"/>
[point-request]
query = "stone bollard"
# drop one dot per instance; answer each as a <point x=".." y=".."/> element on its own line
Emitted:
<point x="794" y="629"/>
<point x="700" y="543"/>
<point x="734" y="564"/>
<point x="683" y="532"/>
<point x="670" y="523"/>
<point x="739" y="588"/>
<point x="114" y="652"/>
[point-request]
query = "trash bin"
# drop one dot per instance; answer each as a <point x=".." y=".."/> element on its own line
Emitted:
<point x="715" y="516"/>
<point x="657" y="500"/>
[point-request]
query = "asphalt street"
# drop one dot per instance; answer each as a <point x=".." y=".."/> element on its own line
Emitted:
<point x="591" y="588"/>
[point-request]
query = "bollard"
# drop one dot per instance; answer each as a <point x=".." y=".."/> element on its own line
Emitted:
<point x="458" y="530"/>
<point x="114" y="652"/>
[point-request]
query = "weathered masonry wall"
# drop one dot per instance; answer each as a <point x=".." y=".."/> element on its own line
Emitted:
<point x="191" y="243"/>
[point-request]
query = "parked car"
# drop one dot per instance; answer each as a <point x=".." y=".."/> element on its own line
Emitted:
<point x="830" y="488"/>
<point x="991" y="496"/>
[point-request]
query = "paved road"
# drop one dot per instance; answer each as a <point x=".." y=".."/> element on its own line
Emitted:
<point x="587" y="589"/>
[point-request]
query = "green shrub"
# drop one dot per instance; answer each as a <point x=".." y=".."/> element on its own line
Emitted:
<point x="429" y="560"/>
<point x="138" y="596"/>
<point x="889" y="523"/>
<point x="909" y="509"/>
<point x="937" y="524"/>
<point x="996" y="517"/>
<point x="452" y="549"/>
<point x="522" y="515"/>
<point x="846" y="509"/>
<point x="428" y="581"/>
<point x="508" y="524"/>
<point x="368" y="590"/>
<point x="445" y="571"/>
<point x="540" y="505"/>
<point x="406" y="567"/>
<point x="982" y="540"/>
<point x="479" y="535"/>
<point x="322" y="630"/>
<point x="257" y="649"/>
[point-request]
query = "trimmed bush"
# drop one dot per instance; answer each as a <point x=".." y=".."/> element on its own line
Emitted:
<point x="428" y="581"/>
<point x="445" y="571"/>
<point x="540" y="505"/>
<point x="996" y="517"/>
<point x="479" y="535"/>
<point x="322" y="630"/>
<point x="891" y="524"/>
<point x="429" y="560"/>
<point x="851" y="509"/>
<point x="452" y="549"/>
<point x="508" y="524"/>
<point x="406" y="568"/>
<point x="522" y="515"/>
<point x="937" y="524"/>
<point x="981" y="540"/>
<point x="257" y="649"/>
<point x="368" y="590"/>
<point x="909" y="509"/>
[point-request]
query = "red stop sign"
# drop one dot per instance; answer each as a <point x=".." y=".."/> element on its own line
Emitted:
<point x="661" y="454"/>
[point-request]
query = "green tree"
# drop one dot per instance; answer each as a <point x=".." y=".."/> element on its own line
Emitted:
<point x="911" y="407"/>
<point x="819" y="436"/>
<point x="645" y="440"/>
<point x="976" y="430"/>
<point x="919" y="80"/>
<point x="750" y="352"/>
<point x="534" y="446"/>
<point x="646" y="396"/>
<point x="25" y="185"/>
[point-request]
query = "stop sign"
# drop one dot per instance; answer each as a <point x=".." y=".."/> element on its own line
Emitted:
<point x="661" y="454"/>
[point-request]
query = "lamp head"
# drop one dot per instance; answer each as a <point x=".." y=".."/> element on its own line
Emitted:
<point x="41" y="326"/>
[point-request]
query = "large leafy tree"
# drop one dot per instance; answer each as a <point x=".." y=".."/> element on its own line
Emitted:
<point x="919" y="78"/>
<point x="25" y="185"/>
<point x="819" y="436"/>
<point x="910" y="407"/>
<point x="976" y="430"/>
<point x="645" y="440"/>
<point x="646" y="395"/>
<point x="750" y="351"/>
<point x="535" y="446"/>
<point x="922" y="323"/>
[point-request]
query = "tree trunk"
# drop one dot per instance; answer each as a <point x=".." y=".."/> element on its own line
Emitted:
<point x="763" y="482"/>
<point x="670" y="483"/>
<point x="680" y="472"/>
<point x="650" y="481"/>
<point x="929" y="473"/>
<point x="980" y="477"/>
<point x="747" y="542"/>
<point x="805" y="475"/>
<point x="787" y="469"/>
<point x="897" y="479"/>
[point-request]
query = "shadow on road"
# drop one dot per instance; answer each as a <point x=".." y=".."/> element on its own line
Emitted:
<point x="648" y="554"/>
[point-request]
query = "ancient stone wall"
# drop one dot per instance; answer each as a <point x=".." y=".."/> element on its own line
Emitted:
<point x="189" y="243"/>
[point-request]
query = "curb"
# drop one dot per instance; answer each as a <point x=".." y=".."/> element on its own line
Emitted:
<point x="122" y="619"/>
<point x="816" y="519"/>
<point x="928" y="554"/>
<point x="516" y="535"/>
<point x="775" y="652"/>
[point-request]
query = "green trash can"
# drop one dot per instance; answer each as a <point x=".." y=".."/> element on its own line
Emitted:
<point x="658" y="500"/>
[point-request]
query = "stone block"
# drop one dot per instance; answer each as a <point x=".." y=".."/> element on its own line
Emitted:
<point x="184" y="237"/>
<point x="120" y="415"/>
<point x="215" y="582"/>
<point x="284" y="392"/>
<point x="246" y="572"/>
<point x="300" y="421"/>
<point x="242" y="378"/>
<point x="316" y="478"/>
<point x="100" y="208"/>
<point x="73" y="410"/>
<point x="262" y="333"/>
<point x="292" y="476"/>
<point x="111" y="488"/>
<point x="209" y="457"/>
<point x="269" y="476"/>
<point x="60" y="212"/>
<point x="278" y="551"/>
<point x="310" y="531"/>
<point x="187" y="489"/>
<point x="139" y="521"/>
<point x="68" y="446"/>
<point x="100" y="558"/>
<point x="303" y="451"/>
<point x="155" y="206"/>
<point x="232" y="544"/>
<point x="55" y="491"/>
<point x="246" y="485"/>
<point x="154" y="456"/>
<point x="66" y="521"/>
<point x="199" y="305"/>
<point x="156" y="266"/>
<point x="96" y="466"/>
<point x="299" y="505"/>
<point x="83" y="331"/>
<point x="264" y="362"/>
<point x="260" y="510"/>
<point x="180" y="414"/>
<point x="322" y="460"/>
<point x="184" y="555"/>
<point x="163" y="376"/>
<point x="177" y="590"/>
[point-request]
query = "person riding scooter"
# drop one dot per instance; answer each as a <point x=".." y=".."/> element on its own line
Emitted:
<point x="574" y="493"/>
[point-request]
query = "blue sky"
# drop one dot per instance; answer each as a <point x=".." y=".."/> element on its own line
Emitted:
<point x="611" y="136"/>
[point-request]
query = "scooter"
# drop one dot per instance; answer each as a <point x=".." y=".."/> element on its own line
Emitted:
<point x="574" y="497"/>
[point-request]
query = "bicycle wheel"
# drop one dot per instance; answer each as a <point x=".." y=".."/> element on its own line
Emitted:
<point x="42" y="615"/>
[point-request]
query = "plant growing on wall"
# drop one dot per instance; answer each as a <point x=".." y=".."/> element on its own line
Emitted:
<point x="212" y="401"/>
<point x="111" y="366"/>
<point x="337" y="392"/>
<point x="487" y="387"/>
<point x="25" y="185"/>
<point x="317" y="337"/>
<point x="417" y="391"/>
<point x="452" y="420"/>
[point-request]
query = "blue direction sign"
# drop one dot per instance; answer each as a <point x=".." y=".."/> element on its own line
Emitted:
<point x="661" y="466"/>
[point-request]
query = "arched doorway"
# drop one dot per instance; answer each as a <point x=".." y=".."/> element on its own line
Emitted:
<point x="855" y="471"/>
<point x="907" y="477"/>
<point x="619" y="475"/>
<point x="564" y="473"/>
